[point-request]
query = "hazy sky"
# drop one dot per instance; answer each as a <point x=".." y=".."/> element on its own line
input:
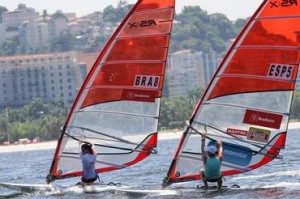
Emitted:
<point x="232" y="8"/>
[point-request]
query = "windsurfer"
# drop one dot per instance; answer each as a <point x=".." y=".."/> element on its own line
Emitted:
<point x="88" y="157"/>
<point x="212" y="159"/>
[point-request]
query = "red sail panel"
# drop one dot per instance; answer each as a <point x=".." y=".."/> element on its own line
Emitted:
<point x="152" y="23"/>
<point x="110" y="95"/>
<point x="150" y="4"/>
<point x="280" y="8"/>
<point x="118" y="75"/>
<point x="236" y="85"/>
<point x="145" y="48"/>
<point x="250" y="61"/>
<point x="266" y="33"/>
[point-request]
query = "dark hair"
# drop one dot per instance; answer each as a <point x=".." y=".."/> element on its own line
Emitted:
<point x="88" y="147"/>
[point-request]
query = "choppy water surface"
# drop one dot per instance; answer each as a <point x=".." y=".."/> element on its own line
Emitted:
<point x="278" y="179"/>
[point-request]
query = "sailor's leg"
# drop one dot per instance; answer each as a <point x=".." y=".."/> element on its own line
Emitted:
<point x="203" y="179"/>
<point x="220" y="182"/>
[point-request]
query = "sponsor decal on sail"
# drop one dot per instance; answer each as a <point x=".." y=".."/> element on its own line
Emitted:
<point x="283" y="3"/>
<point x="143" y="23"/>
<point x="281" y="71"/>
<point x="262" y="119"/>
<point x="259" y="135"/>
<point x="235" y="154"/>
<point x="236" y="132"/>
<point x="146" y="81"/>
<point x="139" y="95"/>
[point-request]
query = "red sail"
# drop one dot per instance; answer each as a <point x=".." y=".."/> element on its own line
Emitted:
<point x="117" y="107"/>
<point x="247" y="103"/>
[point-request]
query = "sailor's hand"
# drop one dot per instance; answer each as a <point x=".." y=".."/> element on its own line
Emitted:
<point x="203" y="135"/>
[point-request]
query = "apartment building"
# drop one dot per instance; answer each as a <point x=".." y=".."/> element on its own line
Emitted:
<point x="187" y="71"/>
<point x="45" y="76"/>
<point x="16" y="17"/>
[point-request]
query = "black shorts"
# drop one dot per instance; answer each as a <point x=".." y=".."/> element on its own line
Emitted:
<point x="89" y="180"/>
<point x="212" y="179"/>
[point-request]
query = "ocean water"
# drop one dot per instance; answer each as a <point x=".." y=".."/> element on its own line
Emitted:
<point x="278" y="179"/>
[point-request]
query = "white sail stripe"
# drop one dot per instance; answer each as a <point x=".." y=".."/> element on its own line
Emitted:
<point x="245" y="107"/>
<point x="257" y="77"/>
<point x="70" y="156"/>
<point x="278" y="17"/>
<point x="117" y="113"/>
<point x="101" y="139"/>
<point x="114" y="139"/>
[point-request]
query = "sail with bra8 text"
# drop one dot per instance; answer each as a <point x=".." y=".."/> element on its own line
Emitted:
<point x="247" y="103"/>
<point x="117" y="107"/>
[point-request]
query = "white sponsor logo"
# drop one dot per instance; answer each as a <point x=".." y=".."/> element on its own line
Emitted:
<point x="236" y="154"/>
<point x="257" y="118"/>
<point x="132" y="95"/>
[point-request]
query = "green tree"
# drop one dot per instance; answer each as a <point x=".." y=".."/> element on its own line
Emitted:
<point x="9" y="47"/>
<point x="36" y="119"/>
<point x="64" y="42"/>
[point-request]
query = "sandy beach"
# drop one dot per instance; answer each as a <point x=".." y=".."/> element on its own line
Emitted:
<point x="51" y="145"/>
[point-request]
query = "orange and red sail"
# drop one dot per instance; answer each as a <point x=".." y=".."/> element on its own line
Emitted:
<point x="247" y="103"/>
<point x="117" y="107"/>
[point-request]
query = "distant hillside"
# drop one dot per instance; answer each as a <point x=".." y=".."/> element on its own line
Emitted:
<point x="193" y="29"/>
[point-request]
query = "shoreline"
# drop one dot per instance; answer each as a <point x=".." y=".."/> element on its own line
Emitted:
<point x="162" y="135"/>
<point x="53" y="143"/>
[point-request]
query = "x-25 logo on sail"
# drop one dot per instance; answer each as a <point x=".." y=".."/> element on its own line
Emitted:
<point x="144" y="23"/>
<point x="283" y="3"/>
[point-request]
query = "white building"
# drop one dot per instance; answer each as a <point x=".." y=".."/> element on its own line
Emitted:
<point x="45" y="76"/>
<point x="187" y="71"/>
<point x="2" y="33"/>
<point x="33" y="35"/>
<point x="57" y="24"/>
<point x="37" y="34"/>
<point x="16" y="17"/>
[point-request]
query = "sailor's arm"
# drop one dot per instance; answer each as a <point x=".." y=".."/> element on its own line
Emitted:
<point x="94" y="149"/>
<point x="203" y="153"/>
<point x="220" y="153"/>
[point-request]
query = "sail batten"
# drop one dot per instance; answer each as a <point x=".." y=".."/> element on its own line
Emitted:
<point x="245" y="107"/>
<point x="258" y="47"/>
<point x="245" y="76"/>
<point x="117" y="112"/>
<point x="247" y="102"/>
<point x="117" y="107"/>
